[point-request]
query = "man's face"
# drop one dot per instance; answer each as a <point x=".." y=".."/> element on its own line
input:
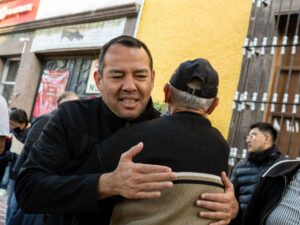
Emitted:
<point x="256" y="140"/>
<point x="16" y="125"/>
<point x="127" y="81"/>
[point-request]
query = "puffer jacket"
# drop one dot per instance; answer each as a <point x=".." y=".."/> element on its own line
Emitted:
<point x="247" y="173"/>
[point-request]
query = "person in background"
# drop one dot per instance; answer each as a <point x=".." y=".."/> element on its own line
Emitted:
<point x="184" y="141"/>
<point x="125" y="80"/>
<point x="5" y="141"/>
<point x="263" y="153"/>
<point x="19" y="124"/>
<point x="67" y="96"/>
<point x="15" y="215"/>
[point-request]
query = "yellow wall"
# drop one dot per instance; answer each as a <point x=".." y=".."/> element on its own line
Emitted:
<point x="178" y="30"/>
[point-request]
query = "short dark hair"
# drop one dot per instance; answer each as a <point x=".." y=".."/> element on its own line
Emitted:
<point x="266" y="127"/>
<point x="18" y="115"/>
<point x="127" y="41"/>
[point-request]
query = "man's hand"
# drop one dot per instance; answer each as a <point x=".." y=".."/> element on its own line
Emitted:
<point x="224" y="206"/>
<point x="135" y="180"/>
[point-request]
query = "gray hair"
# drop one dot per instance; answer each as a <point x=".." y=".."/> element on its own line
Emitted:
<point x="67" y="96"/>
<point x="189" y="101"/>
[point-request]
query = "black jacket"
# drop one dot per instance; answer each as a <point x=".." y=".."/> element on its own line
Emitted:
<point x="185" y="142"/>
<point x="269" y="191"/>
<point x="247" y="173"/>
<point x="32" y="136"/>
<point x="47" y="183"/>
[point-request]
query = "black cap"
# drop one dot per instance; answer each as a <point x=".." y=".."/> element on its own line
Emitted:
<point x="200" y="69"/>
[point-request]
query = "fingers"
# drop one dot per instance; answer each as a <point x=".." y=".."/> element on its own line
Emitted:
<point x="133" y="151"/>
<point x="215" y="207"/>
<point x="222" y="206"/>
<point x="150" y="190"/>
<point x="148" y="168"/>
<point x="227" y="183"/>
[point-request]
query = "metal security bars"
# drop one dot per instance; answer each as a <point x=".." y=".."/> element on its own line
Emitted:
<point x="269" y="85"/>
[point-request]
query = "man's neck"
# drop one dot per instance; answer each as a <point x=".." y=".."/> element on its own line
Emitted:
<point x="176" y="109"/>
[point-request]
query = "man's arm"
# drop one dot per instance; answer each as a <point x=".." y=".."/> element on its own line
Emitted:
<point x="224" y="206"/>
<point x="44" y="186"/>
<point x="41" y="187"/>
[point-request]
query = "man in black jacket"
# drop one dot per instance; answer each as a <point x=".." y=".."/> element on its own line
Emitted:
<point x="48" y="182"/>
<point x="262" y="154"/>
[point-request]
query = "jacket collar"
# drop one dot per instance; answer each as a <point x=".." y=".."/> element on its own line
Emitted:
<point x="264" y="156"/>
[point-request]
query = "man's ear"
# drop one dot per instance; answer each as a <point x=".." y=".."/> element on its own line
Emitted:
<point x="98" y="79"/>
<point x="213" y="105"/>
<point x="167" y="92"/>
<point x="152" y="78"/>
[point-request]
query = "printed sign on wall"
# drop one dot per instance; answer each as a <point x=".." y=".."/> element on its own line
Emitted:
<point x="78" y="36"/>
<point x="53" y="83"/>
<point x="15" y="12"/>
<point x="91" y="87"/>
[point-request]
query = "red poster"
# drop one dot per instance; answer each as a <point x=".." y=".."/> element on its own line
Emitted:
<point x="53" y="84"/>
<point x="18" y="11"/>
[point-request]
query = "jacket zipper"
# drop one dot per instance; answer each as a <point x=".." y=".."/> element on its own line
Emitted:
<point x="277" y="203"/>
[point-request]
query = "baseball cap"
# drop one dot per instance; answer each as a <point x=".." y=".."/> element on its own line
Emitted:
<point x="200" y="69"/>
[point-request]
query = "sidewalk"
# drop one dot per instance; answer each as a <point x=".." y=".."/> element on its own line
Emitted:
<point x="3" y="206"/>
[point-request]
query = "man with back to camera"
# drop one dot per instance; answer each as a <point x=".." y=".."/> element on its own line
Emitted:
<point x="263" y="153"/>
<point x="47" y="182"/>
<point x="184" y="141"/>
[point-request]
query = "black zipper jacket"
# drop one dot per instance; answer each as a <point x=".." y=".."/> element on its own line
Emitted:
<point x="48" y="182"/>
<point x="269" y="191"/>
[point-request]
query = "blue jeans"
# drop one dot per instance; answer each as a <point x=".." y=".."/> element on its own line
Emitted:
<point x="12" y="205"/>
<point x="5" y="178"/>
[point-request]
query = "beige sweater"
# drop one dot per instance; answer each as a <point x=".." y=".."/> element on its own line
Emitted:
<point x="175" y="207"/>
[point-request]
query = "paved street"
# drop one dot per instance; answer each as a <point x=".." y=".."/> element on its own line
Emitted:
<point x="3" y="200"/>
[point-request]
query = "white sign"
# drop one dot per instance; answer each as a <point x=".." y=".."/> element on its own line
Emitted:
<point x="91" y="87"/>
<point x="5" y="11"/>
<point x="78" y="36"/>
<point x="54" y="8"/>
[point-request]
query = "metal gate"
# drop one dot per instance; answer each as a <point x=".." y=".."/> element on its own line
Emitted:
<point x="269" y="84"/>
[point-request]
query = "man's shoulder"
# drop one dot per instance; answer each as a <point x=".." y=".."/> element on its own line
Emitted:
<point x="80" y="107"/>
<point x="282" y="167"/>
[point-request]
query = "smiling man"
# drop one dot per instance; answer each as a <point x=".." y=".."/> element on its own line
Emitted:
<point x="262" y="154"/>
<point x="52" y="180"/>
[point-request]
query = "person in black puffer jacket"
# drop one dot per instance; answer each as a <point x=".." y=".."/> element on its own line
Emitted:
<point x="262" y="154"/>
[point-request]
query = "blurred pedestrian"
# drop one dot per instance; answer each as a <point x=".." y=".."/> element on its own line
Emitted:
<point x="5" y="141"/>
<point x="263" y="153"/>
